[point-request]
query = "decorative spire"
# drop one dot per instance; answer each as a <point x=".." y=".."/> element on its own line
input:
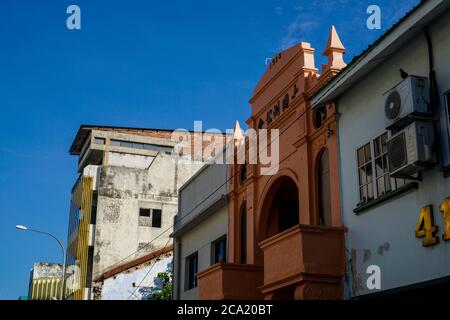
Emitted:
<point x="335" y="51"/>
<point x="238" y="137"/>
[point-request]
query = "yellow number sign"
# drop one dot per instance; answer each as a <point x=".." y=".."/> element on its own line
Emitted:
<point x="425" y="227"/>
<point x="445" y="210"/>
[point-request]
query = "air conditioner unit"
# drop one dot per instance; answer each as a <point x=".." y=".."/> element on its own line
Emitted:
<point x="406" y="102"/>
<point x="411" y="149"/>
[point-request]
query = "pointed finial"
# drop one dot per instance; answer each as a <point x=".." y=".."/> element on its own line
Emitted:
<point x="335" y="50"/>
<point x="334" y="42"/>
<point x="238" y="136"/>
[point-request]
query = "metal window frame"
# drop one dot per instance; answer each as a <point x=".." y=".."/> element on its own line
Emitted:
<point x="394" y="181"/>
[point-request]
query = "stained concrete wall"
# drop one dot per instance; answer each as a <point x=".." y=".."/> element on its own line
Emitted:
<point x="46" y="270"/>
<point x="122" y="191"/>
<point x="385" y="235"/>
<point x="120" y="159"/>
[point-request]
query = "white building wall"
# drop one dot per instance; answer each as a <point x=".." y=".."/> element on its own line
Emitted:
<point x="385" y="235"/>
<point x="199" y="239"/>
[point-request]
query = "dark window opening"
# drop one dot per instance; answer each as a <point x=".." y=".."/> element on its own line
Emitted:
<point x="323" y="175"/>
<point x="243" y="234"/>
<point x="192" y="269"/>
<point x="90" y="264"/>
<point x="243" y="173"/>
<point x="283" y="207"/>
<point x="288" y="213"/>
<point x="140" y="145"/>
<point x="219" y="250"/>
<point x="94" y="208"/>
<point x="144" y="217"/>
<point x="448" y="112"/>
<point x="320" y="115"/>
<point x="144" y="212"/>
<point x="156" y="218"/>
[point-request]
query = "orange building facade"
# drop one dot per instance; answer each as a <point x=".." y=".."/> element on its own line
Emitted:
<point x="285" y="237"/>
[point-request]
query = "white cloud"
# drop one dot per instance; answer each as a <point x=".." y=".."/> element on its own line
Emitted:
<point x="298" y="30"/>
<point x="279" y="11"/>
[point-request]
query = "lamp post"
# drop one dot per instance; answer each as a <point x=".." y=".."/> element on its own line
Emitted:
<point x="24" y="228"/>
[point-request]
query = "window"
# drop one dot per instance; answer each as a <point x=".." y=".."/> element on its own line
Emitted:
<point x="156" y="218"/>
<point x="320" y="115"/>
<point x="243" y="233"/>
<point x="447" y="97"/>
<point x="139" y="145"/>
<point x="144" y="212"/>
<point x="191" y="271"/>
<point x="219" y="250"/>
<point x="99" y="140"/>
<point x="323" y="179"/>
<point x="243" y="173"/>
<point x="144" y="217"/>
<point x="126" y="144"/>
<point x="365" y="173"/>
<point x="115" y="143"/>
<point x="373" y="170"/>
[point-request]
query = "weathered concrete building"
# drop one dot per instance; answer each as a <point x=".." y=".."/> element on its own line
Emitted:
<point x="200" y="229"/>
<point x="45" y="281"/>
<point x="124" y="201"/>
<point x="394" y="151"/>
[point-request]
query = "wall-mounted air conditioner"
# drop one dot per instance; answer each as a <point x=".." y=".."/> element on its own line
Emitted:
<point x="406" y="102"/>
<point x="411" y="149"/>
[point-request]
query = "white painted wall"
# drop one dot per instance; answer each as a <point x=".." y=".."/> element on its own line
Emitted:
<point x="120" y="287"/>
<point x="391" y="225"/>
<point x="199" y="240"/>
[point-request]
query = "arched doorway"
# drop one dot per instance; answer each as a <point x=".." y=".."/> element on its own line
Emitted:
<point x="323" y="186"/>
<point x="280" y="208"/>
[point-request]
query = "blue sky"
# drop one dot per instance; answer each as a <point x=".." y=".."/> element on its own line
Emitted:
<point x="133" y="63"/>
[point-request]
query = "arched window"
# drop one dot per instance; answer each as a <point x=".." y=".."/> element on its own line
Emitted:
<point x="320" y="115"/>
<point x="243" y="173"/>
<point x="243" y="234"/>
<point x="324" y="191"/>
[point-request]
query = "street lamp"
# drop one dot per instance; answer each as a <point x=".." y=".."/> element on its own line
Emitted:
<point x="24" y="228"/>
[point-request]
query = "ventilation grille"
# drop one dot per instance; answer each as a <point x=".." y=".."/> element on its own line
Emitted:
<point x="393" y="105"/>
<point x="397" y="152"/>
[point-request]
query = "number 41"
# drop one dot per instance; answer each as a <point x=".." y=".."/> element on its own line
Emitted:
<point x="425" y="227"/>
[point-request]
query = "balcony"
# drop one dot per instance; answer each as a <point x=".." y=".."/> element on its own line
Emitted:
<point x="309" y="260"/>
<point x="228" y="281"/>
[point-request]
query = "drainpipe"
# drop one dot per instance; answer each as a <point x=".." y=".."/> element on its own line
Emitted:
<point x="177" y="262"/>
<point x="434" y="94"/>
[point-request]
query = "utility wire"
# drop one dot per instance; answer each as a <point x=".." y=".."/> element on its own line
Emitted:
<point x="148" y="272"/>
<point x="211" y="194"/>
<point x="208" y="196"/>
